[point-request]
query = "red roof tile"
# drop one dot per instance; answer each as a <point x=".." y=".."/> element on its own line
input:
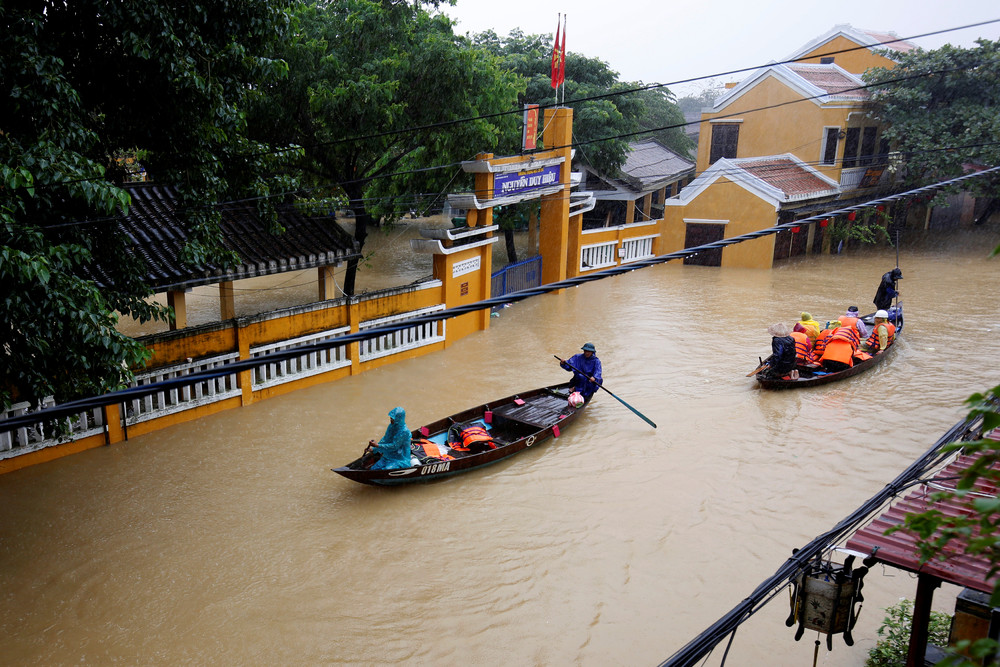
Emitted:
<point x="832" y="80"/>
<point x="900" y="549"/>
<point x="787" y="175"/>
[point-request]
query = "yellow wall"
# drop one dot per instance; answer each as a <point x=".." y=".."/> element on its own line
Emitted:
<point x="796" y="127"/>
<point x="743" y="212"/>
<point x="855" y="62"/>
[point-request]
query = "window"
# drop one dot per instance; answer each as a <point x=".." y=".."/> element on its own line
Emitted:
<point x="830" y="145"/>
<point x="851" y="147"/>
<point x="826" y="60"/>
<point x="724" y="140"/>
<point x="883" y="151"/>
<point x="868" y="146"/>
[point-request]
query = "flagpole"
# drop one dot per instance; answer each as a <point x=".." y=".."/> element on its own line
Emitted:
<point x="563" y="49"/>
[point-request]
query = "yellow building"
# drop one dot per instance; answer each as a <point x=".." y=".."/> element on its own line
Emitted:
<point x="805" y="123"/>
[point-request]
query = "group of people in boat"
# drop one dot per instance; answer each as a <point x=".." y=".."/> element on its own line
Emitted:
<point x="836" y="345"/>
<point x="394" y="450"/>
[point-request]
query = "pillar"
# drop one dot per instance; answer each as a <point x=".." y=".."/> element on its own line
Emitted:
<point x="176" y="300"/>
<point x="227" y="301"/>
<point x="327" y="284"/>
<point x="554" y="235"/>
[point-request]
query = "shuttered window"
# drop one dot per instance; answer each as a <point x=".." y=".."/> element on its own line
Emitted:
<point x="724" y="140"/>
<point x="830" y="145"/>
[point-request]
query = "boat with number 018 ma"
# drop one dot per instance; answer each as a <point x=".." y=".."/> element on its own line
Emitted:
<point x="810" y="377"/>
<point x="511" y="425"/>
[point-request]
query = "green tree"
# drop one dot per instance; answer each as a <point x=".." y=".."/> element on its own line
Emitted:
<point x="84" y="82"/>
<point x="373" y="91"/>
<point x="941" y="109"/>
<point x="597" y="123"/>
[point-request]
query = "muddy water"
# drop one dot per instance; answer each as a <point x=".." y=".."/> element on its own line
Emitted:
<point x="229" y="541"/>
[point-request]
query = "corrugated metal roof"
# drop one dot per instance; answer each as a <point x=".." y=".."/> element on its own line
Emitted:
<point x="158" y="236"/>
<point x="900" y="549"/>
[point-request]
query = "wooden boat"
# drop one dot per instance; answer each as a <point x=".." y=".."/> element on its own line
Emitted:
<point x="515" y="423"/>
<point x="812" y="377"/>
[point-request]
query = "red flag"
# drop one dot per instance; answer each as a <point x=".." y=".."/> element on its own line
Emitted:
<point x="558" y="67"/>
<point x="562" y="55"/>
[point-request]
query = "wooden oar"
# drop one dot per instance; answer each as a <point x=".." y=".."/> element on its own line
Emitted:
<point x="763" y="365"/>
<point x="639" y="414"/>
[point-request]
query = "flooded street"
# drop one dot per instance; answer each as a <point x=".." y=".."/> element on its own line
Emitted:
<point x="229" y="540"/>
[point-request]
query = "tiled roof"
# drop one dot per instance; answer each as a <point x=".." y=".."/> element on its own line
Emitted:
<point x="893" y="40"/>
<point x="158" y="236"/>
<point x="900" y="548"/>
<point x="787" y="175"/>
<point x="649" y="165"/>
<point x="830" y="78"/>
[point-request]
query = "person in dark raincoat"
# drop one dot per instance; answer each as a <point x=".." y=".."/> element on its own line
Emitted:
<point x="887" y="290"/>
<point x="782" y="359"/>
<point x="590" y="379"/>
<point x="394" y="447"/>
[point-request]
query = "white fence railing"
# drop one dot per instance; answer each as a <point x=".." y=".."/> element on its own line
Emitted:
<point x="302" y="366"/>
<point x="637" y="248"/>
<point x="178" y="399"/>
<point x="32" y="438"/>
<point x="404" y="339"/>
<point x="598" y="256"/>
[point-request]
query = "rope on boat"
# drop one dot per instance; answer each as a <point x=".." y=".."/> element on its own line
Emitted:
<point x="72" y="407"/>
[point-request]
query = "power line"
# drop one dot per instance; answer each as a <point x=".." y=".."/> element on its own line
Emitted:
<point x="73" y="407"/>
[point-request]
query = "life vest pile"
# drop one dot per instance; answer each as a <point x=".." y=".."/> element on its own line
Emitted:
<point x="425" y="448"/>
<point x="470" y="436"/>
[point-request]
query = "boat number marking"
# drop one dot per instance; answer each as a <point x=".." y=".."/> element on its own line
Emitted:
<point x="530" y="441"/>
<point x="437" y="467"/>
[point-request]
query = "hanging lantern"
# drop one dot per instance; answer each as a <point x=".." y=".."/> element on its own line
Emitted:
<point x="852" y="215"/>
<point x="826" y="597"/>
<point x="880" y="208"/>
<point x="796" y="230"/>
<point x="824" y="222"/>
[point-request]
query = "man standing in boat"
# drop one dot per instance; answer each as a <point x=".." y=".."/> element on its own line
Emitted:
<point x="586" y="369"/>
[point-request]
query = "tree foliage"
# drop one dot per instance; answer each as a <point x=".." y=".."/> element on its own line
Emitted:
<point x="598" y="124"/>
<point x="941" y="108"/>
<point x="374" y="90"/>
<point x="84" y="82"/>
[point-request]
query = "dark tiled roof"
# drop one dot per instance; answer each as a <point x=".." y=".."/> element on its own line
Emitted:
<point x="900" y="548"/>
<point x="158" y="236"/>
<point x="786" y="175"/>
<point x="649" y="165"/>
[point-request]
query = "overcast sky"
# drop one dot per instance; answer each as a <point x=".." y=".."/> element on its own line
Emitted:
<point x="664" y="42"/>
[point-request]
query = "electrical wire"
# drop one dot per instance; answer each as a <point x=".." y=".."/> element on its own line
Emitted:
<point x="72" y="407"/>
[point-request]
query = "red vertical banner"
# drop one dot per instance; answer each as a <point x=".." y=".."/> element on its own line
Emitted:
<point x="557" y="64"/>
<point x="529" y="137"/>
<point x="562" y="55"/>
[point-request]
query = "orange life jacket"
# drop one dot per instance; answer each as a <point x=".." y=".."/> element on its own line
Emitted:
<point x="841" y="345"/>
<point x="872" y="342"/>
<point x="821" y="341"/>
<point x="431" y="449"/>
<point x="471" y="435"/>
<point x="846" y="321"/>
<point x="802" y="348"/>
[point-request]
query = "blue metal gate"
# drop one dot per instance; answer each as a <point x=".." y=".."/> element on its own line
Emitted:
<point x="514" y="277"/>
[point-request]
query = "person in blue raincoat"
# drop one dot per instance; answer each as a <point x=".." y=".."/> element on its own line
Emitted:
<point x="590" y="379"/>
<point x="394" y="446"/>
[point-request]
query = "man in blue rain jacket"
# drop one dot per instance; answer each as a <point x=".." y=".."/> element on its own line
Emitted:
<point x="587" y="376"/>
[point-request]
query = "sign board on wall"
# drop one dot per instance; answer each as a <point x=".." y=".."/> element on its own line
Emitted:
<point x="465" y="266"/>
<point x="514" y="183"/>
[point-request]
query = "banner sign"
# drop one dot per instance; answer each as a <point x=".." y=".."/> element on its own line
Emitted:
<point x="529" y="136"/>
<point x="505" y="185"/>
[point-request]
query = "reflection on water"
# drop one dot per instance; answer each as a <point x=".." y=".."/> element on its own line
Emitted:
<point x="229" y="540"/>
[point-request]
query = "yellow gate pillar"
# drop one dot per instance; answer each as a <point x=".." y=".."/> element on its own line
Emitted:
<point x="554" y="236"/>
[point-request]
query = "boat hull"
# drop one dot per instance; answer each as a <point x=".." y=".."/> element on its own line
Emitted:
<point x="517" y="422"/>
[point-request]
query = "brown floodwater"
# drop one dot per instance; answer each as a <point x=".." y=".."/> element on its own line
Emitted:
<point x="230" y="541"/>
